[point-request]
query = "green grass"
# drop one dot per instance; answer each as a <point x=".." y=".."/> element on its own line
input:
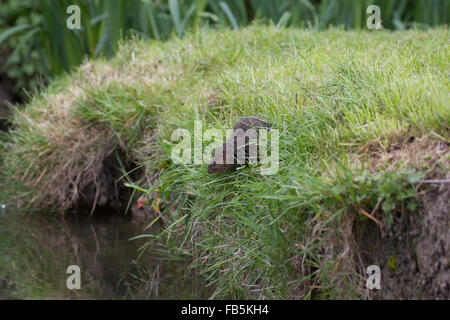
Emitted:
<point x="40" y="42"/>
<point x="340" y="100"/>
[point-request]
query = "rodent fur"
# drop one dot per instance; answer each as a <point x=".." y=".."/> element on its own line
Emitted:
<point x="241" y="126"/>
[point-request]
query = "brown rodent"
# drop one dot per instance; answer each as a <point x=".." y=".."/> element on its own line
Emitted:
<point x="241" y="126"/>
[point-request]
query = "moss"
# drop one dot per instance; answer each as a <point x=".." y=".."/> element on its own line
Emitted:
<point x="392" y="263"/>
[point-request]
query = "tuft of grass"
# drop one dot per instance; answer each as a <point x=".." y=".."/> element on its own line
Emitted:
<point x="347" y="105"/>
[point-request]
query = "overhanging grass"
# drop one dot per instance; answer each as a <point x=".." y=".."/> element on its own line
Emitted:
<point x="340" y="99"/>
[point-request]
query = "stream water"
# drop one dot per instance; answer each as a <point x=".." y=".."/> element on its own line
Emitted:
<point x="37" y="248"/>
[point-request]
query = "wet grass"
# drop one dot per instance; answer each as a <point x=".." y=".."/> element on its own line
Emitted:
<point x="342" y="102"/>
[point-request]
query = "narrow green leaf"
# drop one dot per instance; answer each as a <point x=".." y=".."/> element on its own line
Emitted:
<point x="229" y="14"/>
<point x="175" y="14"/>
<point x="11" y="31"/>
<point x="22" y="43"/>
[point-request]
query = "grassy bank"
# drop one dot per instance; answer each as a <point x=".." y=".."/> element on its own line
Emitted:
<point x="363" y="120"/>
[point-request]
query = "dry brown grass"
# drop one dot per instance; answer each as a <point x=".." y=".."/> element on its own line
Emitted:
<point x="66" y="151"/>
<point x="423" y="153"/>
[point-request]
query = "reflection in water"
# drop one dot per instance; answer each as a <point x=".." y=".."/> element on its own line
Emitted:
<point x="45" y="245"/>
<point x="101" y="248"/>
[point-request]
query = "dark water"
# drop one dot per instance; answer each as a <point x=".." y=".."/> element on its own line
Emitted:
<point x="36" y="250"/>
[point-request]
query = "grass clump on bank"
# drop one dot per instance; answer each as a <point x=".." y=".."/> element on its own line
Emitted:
<point x="363" y="119"/>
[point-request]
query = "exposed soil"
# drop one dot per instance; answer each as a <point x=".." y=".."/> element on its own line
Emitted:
<point x="414" y="255"/>
<point x="416" y="152"/>
<point x="102" y="188"/>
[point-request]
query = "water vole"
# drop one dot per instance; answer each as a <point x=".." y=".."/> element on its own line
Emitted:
<point x="226" y="156"/>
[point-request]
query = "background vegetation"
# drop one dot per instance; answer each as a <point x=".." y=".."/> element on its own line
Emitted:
<point x="363" y="119"/>
<point x="35" y="41"/>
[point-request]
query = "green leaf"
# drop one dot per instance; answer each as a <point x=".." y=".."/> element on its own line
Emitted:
<point x="22" y="43"/>
<point x="11" y="31"/>
<point x="284" y="20"/>
<point x="229" y="14"/>
<point x="175" y="14"/>
<point x="412" y="205"/>
<point x="388" y="206"/>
